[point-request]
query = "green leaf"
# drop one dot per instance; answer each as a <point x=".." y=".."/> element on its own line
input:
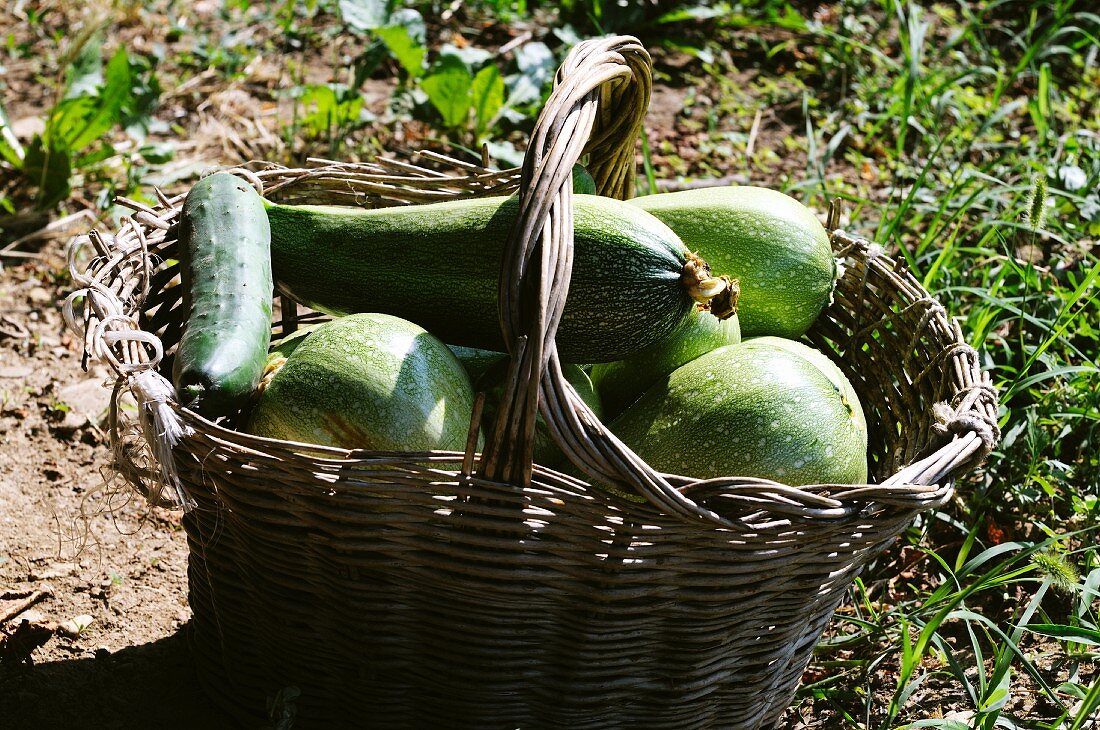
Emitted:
<point x="448" y="89"/>
<point x="119" y="80"/>
<point x="536" y="61"/>
<point x="85" y="74"/>
<point x="136" y="114"/>
<point x="10" y="148"/>
<point x="471" y="56"/>
<point x="696" y="13"/>
<point x="48" y="165"/>
<point x="335" y="109"/>
<point x="1039" y="104"/>
<point x="158" y="153"/>
<point x="536" y="67"/>
<point x="941" y="724"/>
<point x="404" y="48"/>
<point x="98" y="154"/>
<point x="505" y="153"/>
<point x="412" y="21"/>
<point x="76" y="123"/>
<point x="1077" y="634"/>
<point x="75" y="120"/>
<point x="487" y="92"/>
<point x="367" y="62"/>
<point x="1088" y="707"/>
<point x="998" y="695"/>
<point x="364" y="15"/>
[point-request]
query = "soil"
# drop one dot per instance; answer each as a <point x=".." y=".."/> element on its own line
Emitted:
<point x="97" y="558"/>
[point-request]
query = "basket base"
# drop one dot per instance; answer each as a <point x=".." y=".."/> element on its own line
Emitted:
<point x="249" y="660"/>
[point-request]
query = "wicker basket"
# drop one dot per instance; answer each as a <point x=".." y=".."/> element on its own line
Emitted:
<point x="474" y="590"/>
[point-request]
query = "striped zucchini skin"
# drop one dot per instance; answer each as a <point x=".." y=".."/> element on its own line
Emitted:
<point x="439" y="265"/>
<point x="225" y="255"/>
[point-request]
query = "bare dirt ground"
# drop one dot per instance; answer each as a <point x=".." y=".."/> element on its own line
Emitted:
<point x="104" y="575"/>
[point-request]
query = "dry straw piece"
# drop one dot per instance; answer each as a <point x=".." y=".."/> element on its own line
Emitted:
<point x="476" y="590"/>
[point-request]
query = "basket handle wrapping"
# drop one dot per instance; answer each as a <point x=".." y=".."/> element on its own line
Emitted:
<point x="598" y="105"/>
<point x="114" y="285"/>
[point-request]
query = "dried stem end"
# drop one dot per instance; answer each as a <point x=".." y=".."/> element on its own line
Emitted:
<point x="724" y="305"/>
<point x="702" y="287"/>
<point x="273" y="366"/>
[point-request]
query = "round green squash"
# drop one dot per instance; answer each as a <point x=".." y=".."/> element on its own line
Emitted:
<point x="622" y="382"/>
<point x="775" y="246"/>
<point x="756" y="409"/>
<point x="367" y="381"/>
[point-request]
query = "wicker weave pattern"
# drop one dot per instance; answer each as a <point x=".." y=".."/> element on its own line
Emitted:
<point x="463" y="590"/>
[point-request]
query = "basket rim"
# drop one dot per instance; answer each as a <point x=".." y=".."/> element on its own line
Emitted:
<point x="905" y="485"/>
<point x="825" y="500"/>
<point x="116" y="283"/>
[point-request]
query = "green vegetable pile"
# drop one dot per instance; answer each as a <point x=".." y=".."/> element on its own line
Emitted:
<point x="663" y="288"/>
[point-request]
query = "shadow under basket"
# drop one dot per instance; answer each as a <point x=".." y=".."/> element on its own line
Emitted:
<point x="398" y="590"/>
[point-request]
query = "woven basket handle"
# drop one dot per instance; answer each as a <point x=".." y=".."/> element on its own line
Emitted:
<point x="598" y="105"/>
<point x="600" y="97"/>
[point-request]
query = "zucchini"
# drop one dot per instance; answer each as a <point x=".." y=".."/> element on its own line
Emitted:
<point x="367" y="381"/>
<point x="765" y="408"/>
<point x="583" y="184"/>
<point x="438" y="265"/>
<point x="622" y="382"/>
<point x="773" y="244"/>
<point x="225" y="264"/>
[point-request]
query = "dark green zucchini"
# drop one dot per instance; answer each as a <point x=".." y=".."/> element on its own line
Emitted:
<point x="439" y="265"/>
<point x="476" y="362"/>
<point x="225" y="260"/>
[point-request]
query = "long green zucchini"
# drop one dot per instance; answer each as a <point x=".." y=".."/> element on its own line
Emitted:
<point x="225" y="257"/>
<point x="439" y="265"/>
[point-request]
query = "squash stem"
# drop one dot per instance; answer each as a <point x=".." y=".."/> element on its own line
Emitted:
<point x="703" y="287"/>
<point x="273" y="366"/>
<point x="724" y="305"/>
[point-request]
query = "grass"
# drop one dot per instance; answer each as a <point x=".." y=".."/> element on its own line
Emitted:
<point x="964" y="136"/>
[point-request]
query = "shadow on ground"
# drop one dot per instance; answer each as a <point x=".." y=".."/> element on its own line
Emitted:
<point x="153" y="685"/>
